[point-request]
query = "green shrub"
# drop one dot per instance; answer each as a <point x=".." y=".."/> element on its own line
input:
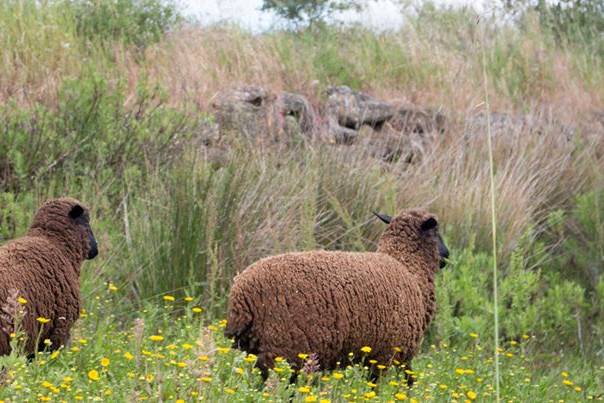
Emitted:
<point x="89" y="134"/>
<point x="132" y="22"/>
<point x="532" y="300"/>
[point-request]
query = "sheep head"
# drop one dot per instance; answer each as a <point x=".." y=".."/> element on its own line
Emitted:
<point x="68" y="221"/>
<point x="413" y="232"/>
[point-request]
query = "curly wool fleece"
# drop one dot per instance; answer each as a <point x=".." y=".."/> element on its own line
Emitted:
<point x="333" y="303"/>
<point x="41" y="269"/>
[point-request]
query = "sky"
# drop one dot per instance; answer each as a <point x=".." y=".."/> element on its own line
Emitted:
<point x="380" y="14"/>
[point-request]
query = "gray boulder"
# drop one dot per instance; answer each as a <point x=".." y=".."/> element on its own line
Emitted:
<point x="348" y="110"/>
<point x="256" y="113"/>
<point x="243" y="110"/>
<point x="296" y="113"/>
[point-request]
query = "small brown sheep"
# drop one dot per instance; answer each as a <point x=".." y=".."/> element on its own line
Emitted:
<point x="333" y="303"/>
<point x="39" y="275"/>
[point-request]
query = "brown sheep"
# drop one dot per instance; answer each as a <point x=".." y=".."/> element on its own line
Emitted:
<point x="333" y="303"/>
<point x="41" y="270"/>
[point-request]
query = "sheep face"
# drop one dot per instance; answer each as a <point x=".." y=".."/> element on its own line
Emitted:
<point x="411" y="232"/>
<point x="68" y="220"/>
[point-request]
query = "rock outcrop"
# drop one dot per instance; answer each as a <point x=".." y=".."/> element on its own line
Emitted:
<point x="349" y="118"/>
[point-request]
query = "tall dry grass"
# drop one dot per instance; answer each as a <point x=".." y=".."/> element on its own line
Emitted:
<point x="548" y="145"/>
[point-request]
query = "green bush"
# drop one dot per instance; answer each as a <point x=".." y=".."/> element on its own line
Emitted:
<point x="532" y="300"/>
<point x="89" y="134"/>
<point x="132" y="22"/>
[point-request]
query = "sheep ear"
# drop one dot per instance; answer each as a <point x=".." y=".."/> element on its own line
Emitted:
<point x="384" y="217"/>
<point x="76" y="211"/>
<point x="429" y="224"/>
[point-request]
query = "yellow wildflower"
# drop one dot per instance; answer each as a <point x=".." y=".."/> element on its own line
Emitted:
<point x="366" y="349"/>
<point x="112" y="287"/>
<point x="564" y="374"/>
<point x="338" y="375"/>
<point x="223" y="350"/>
<point x="229" y="391"/>
<point x="400" y="396"/>
<point x="188" y="299"/>
<point x="567" y="382"/>
<point x="169" y="298"/>
<point x="310" y="398"/>
<point x="302" y="356"/>
<point x="105" y="362"/>
<point x="304" y="389"/>
<point x="471" y="394"/>
<point x="47" y="385"/>
<point x="156" y="337"/>
<point x="93" y="375"/>
<point x="239" y="371"/>
<point x="187" y="346"/>
<point x="203" y="357"/>
<point x="578" y="388"/>
<point x="250" y="358"/>
<point x="180" y="401"/>
<point x="42" y="320"/>
<point x="54" y="354"/>
<point x="370" y="395"/>
<point x="206" y="379"/>
<point x="22" y="300"/>
<point x="197" y="309"/>
<point x="474" y="335"/>
<point x="128" y="356"/>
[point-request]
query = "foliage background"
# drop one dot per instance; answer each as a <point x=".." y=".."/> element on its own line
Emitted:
<point x="107" y="102"/>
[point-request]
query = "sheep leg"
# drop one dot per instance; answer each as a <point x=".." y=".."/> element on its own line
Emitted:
<point x="409" y="376"/>
<point x="374" y="375"/>
<point x="294" y="377"/>
<point x="264" y="362"/>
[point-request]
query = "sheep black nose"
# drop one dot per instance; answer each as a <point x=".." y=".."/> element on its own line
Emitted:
<point x="444" y="254"/>
<point x="94" y="250"/>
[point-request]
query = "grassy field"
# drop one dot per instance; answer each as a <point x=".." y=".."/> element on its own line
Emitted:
<point x="109" y="102"/>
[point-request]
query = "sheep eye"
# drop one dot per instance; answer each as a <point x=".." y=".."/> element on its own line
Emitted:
<point x="76" y="211"/>
<point x="429" y="224"/>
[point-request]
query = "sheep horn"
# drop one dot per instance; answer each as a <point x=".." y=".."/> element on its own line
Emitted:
<point x="384" y="217"/>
